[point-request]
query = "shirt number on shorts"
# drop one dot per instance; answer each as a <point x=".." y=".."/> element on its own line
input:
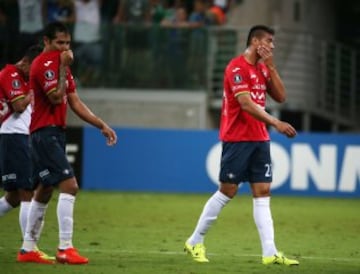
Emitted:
<point x="268" y="171"/>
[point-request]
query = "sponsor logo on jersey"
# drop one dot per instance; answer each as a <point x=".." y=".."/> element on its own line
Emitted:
<point x="258" y="95"/>
<point x="50" y="83"/>
<point x="258" y="87"/>
<point x="237" y="87"/>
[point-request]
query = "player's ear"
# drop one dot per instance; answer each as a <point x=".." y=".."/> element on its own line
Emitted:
<point x="46" y="40"/>
<point x="255" y="41"/>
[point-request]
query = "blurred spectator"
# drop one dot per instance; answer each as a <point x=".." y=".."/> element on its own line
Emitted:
<point x="87" y="41"/>
<point x="133" y="12"/>
<point x="108" y="10"/>
<point x="199" y="16"/>
<point x="2" y="15"/>
<point x="60" y="10"/>
<point x="170" y="9"/>
<point x="134" y="17"/>
<point x="157" y="11"/>
<point x="198" y="19"/>
<point x="9" y="11"/>
<point x="32" y="19"/>
<point x="179" y="20"/>
<point x="112" y="42"/>
<point x="218" y="11"/>
<point x="176" y="51"/>
<point x="3" y="40"/>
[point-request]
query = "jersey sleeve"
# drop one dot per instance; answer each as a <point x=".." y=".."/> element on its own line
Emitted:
<point x="71" y="84"/>
<point x="14" y="87"/>
<point x="238" y="80"/>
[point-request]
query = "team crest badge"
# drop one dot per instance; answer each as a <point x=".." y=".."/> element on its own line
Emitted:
<point x="49" y="74"/>
<point x="16" y="84"/>
<point x="237" y="78"/>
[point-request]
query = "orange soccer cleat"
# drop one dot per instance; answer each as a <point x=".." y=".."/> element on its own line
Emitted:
<point x="70" y="256"/>
<point x="33" y="256"/>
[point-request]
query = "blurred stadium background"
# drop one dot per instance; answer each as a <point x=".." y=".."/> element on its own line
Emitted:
<point x="317" y="56"/>
<point x="153" y="81"/>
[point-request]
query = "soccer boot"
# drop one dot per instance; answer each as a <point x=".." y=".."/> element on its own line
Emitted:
<point x="32" y="257"/>
<point x="44" y="255"/>
<point x="197" y="252"/>
<point x="279" y="258"/>
<point x="70" y="256"/>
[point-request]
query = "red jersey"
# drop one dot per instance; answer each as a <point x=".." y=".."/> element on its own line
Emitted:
<point x="12" y="87"/>
<point x="44" y="74"/>
<point x="239" y="77"/>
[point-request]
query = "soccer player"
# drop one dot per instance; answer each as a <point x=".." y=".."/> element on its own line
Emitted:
<point x="245" y="142"/>
<point x="54" y="88"/>
<point x="15" y="161"/>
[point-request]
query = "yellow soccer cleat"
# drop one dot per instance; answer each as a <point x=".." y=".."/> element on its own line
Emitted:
<point x="44" y="255"/>
<point x="279" y="258"/>
<point x="197" y="252"/>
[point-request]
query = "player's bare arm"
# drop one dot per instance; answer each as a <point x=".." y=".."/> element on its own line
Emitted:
<point x="20" y="104"/>
<point x="84" y="113"/>
<point x="277" y="88"/>
<point x="254" y="110"/>
<point x="66" y="59"/>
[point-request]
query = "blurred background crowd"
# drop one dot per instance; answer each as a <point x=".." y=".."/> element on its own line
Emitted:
<point x="98" y="30"/>
<point x="171" y="46"/>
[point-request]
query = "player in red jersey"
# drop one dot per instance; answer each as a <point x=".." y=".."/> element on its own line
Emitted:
<point x="248" y="78"/>
<point x="15" y="161"/>
<point x="54" y="88"/>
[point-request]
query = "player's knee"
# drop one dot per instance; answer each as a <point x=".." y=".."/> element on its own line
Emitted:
<point x="69" y="186"/>
<point x="26" y="195"/>
<point x="260" y="190"/>
<point x="13" y="198"/>
<point x="43" y="194"/>
<point x="229" y="190"/>
<point x="74" y="189"/>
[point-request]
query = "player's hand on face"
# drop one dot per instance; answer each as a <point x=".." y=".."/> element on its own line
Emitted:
<point x="286" y="129"/>
<point x="66" y="57"/>
<point x="111" y="137"/>
<point x="265" y="53"/>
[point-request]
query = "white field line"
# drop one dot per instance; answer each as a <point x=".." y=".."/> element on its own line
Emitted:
<point x="154" y="252"/>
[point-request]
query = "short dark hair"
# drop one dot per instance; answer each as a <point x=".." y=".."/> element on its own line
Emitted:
<point x="52" y="28"/>
<point x="32" y="52"/>
<point x="258" y="31"/>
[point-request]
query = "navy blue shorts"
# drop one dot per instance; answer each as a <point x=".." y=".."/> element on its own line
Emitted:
<point x="15" y="162"/>
<point x="245" y="162"/>
<point x="49" y="156"/>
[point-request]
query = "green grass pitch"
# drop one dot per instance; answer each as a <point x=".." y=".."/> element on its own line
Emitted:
<point x="145" y="232"/>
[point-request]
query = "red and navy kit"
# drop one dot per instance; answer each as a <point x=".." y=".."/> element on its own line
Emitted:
<point x="242" y="77"/>
<point x="12" y="87"/>
<point x="44" y="76"/>
<point x="14" y="142"/>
